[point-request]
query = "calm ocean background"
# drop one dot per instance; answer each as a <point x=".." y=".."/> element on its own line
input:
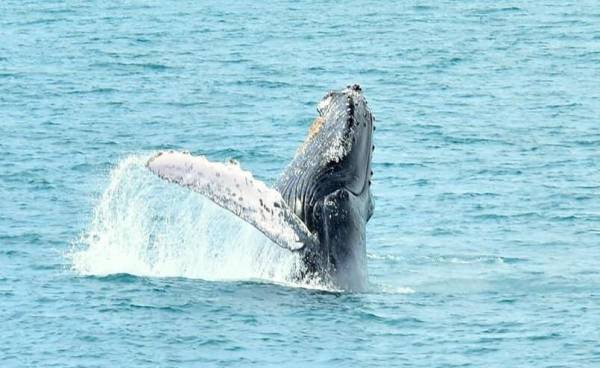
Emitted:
<point x="484" y="250"/>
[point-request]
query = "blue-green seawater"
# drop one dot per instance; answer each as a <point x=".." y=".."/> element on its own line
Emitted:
<point x="484" y="249"/>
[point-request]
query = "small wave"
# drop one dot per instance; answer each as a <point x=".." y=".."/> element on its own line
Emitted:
<point x="12" y="253"/>
<point x="389" y="320"/>
<point x="476" y="259"/>
<point x="391" y="289"/>
<point x="118" y="277"/>
<point x="549" y="336"/>
<point x="400" y="164"/>
<point x="98" y="90"/>
<point x="148" y="66"/>
<point x="447" y="259"/>
<point x="489" y="11"/>
<point x="27" y="237"/>
<point x="424" y="7"/>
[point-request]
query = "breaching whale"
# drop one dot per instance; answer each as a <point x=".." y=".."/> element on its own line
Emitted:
<point x="321" y="203"/>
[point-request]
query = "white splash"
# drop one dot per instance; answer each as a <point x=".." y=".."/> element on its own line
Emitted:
<point x="145" y="226"/>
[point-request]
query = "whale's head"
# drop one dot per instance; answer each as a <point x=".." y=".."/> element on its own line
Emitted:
<point x="345" y="128"/>
<point x="328" y="185"/>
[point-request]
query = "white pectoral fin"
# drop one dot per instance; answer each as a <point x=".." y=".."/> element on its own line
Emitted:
<point x="237" y="191"/>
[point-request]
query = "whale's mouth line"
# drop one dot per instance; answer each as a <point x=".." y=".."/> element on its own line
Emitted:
<point x="366" y="162"/>
<point x="365" y="181"/>
<point x="361" y="147"/>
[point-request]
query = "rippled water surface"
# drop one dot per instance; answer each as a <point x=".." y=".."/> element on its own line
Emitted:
<point x="484" y="250"/>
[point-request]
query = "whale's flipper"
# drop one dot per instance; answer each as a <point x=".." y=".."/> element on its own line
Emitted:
<point x="238" y="191"/>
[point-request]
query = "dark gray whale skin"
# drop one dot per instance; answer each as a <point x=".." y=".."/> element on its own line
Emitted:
<point x="327" y="185"/>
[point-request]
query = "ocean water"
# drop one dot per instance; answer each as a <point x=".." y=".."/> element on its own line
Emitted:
<point x="484" y="249"/>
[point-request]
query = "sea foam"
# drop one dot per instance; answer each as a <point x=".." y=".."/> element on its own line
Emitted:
<point x="145" y="226"/>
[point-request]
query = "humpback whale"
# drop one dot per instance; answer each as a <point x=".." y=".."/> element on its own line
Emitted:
<point x="321" y="203"/>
